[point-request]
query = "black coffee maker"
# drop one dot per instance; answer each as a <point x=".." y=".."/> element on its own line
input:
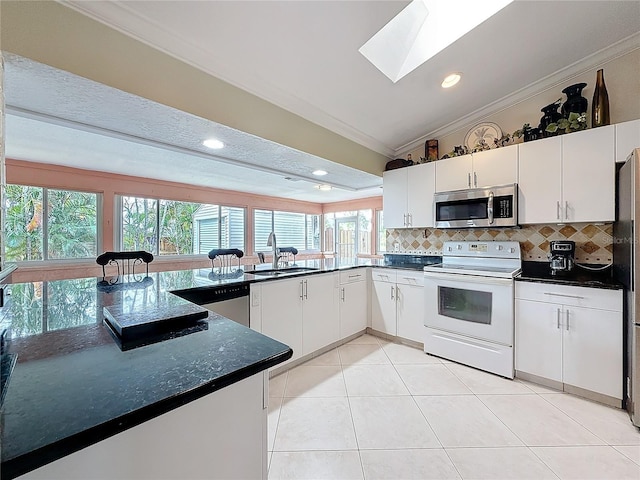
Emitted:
<point x="561" y="256"/>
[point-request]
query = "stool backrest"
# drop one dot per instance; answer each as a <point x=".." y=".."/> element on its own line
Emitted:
<point x="126" y="262"/>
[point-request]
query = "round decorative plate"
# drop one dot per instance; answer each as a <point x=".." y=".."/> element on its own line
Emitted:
<point x="486" y="131"/>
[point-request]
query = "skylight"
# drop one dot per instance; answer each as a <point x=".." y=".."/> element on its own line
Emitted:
<point x="421" y="30"/>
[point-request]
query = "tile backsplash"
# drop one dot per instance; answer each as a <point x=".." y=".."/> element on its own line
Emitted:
<point x="594" y="243"/>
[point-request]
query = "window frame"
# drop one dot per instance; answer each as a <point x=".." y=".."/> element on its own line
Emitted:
<point x="45" y="226"/>
<point x="258" y="248"/>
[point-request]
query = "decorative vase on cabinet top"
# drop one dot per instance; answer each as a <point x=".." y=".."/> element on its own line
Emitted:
<point x="575" y="102"/>
<point x="600" y="106"/>
<point x="551" y="115"/>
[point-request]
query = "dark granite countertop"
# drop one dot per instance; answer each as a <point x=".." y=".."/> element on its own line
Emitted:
<point x="578" y="277"/>
<point x="73" y="386"/>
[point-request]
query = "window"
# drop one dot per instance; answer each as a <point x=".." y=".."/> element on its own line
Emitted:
<point x="292" y="229"/>
<point x="348" y="234"/>
<point x="69" y="229"/>
<point x="169" y="227"/>
<point x="381" y="234"/>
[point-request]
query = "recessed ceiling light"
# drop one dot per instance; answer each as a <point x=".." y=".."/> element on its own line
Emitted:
<point x="324" y="187"/>
<point x="319" y="173"/>
<point x="451" y="80"/>
<point x="213" y="143"/>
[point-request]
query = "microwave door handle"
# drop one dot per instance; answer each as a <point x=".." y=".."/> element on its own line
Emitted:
<point x="490" y="208"/>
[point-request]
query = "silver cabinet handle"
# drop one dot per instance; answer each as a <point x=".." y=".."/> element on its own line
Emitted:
<point x="306" y="289"/>
<point x="469" y="179"/>
<point x="410" y="279"/>
<point x="475" y="179"/>
<point x="558" y="209"/>
<point x="558" y="317"/>
<point x="301" y="290"/>
<point x="566" y="210"/>
<point x="410" y="219"/>
<point x="342" y="294"/>
<point x="490" y="207"/>
<point x="392" y="297"/>
<point x="567" y="314"/>
<point x="355" y="276"/>
<point x="562" y="295"/>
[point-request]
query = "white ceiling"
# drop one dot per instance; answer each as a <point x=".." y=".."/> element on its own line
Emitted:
<point x="303" y="56"/>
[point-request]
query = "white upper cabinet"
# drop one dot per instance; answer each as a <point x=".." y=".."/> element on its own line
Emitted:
<point x="569" y="178"/>
<point x="453" y="173"/>
<point x="394" y="198"/>
<point x="588" y="175"/>
<point x="408" y="196"/>
<point x="498" y="166"/>
<point x="627" y="138"/>
<point x="540" y="181"/>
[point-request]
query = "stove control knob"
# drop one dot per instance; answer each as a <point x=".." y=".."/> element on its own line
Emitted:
<point x="499" y="247"/>
<point x="459" y="246"/>
<point x="511" y="250"/>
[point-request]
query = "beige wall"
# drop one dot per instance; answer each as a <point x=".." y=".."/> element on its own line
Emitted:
<point x="50" y="33"/>
<point x="622" y="79"/>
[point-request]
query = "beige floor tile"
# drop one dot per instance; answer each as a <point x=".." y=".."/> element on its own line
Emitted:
<point x="537" y="422"/>
<point x="329" y="358"/>
<point x="365" y="339"/>
<point x="316" y="465"/>
<point x="404" y="354"/>
<point x="418" y="464"/>
<point x="480" y="382"/>
<point x="592" y="462"/>
<point x="315" y="424"/>
<point x="432" y="379"/>
<point x="373" y="380"/>
<point x="273" y="415"/>
<point x="464" y="421"/>
<point x="315" y="381"/>
<point x="630" y="451"/>
<point x="507" y="463"/>
<point x="610" y="424"/>
<point x="362" y="354"/>
<point x="390" y="423"/>
<point x="277" y="384"/>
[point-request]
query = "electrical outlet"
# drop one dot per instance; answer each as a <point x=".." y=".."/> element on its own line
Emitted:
<point x="255" y="299"/>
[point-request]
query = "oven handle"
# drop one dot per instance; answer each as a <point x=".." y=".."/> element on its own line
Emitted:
<point x="462" y="278"/>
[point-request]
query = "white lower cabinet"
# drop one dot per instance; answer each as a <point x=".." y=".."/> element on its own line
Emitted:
<point x="571" y="335"/>
<point x="301" y="312"/>
<point x="397" y="303"/>
<point x="353" y="292"/>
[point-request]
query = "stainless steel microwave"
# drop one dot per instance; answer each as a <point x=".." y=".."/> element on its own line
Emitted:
<point x="477" y="207"/>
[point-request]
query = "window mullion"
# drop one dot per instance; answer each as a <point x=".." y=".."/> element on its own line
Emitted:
<point x="45" y="223"/>
<point x="157" y="252"/>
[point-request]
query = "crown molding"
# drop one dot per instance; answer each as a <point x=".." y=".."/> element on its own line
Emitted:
<point x="553" y="80"/>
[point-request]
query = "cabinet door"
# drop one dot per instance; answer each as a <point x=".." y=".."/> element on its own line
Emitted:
<point x="495" y="167"/>
<point x="353" y="308"/>
<point x="394" y="198"/>
<point x="453" y="173"/>
<point x="281" y="303"/>
<point x="410" y="311"/>
<point x="588" y="175"/>
<point x="592" y="350"/>
<point x="320" y="317"/>
<point x="421" y="185"/>
<point x="383" y="307"/>
<point x="540" y="181"/>
<point x="627" y="139"/>
<point x="538" y="343"/>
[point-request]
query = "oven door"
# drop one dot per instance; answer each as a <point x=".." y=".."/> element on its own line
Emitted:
<point x="470" y="305"/>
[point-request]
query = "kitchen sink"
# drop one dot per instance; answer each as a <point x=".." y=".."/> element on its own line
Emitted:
<point x="280" y="271"/>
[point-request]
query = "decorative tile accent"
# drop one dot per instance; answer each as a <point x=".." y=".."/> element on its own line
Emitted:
<point x="594" y="243"/>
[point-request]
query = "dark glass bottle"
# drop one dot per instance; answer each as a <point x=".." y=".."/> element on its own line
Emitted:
<point x="551" y="115"/>
<point x="600" y="106"/>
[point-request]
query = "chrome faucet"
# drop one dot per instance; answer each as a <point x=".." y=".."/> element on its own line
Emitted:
<point x="271" y="242"/>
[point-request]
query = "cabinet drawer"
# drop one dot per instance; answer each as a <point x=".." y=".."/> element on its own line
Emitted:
<point x="383" y="275"/>
<point x="407" y="277"/>
<point x="600" y="299"/>
<point x="353" y="275"/>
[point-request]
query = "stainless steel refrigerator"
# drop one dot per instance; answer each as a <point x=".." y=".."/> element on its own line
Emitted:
<point x="626" y="259"/>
